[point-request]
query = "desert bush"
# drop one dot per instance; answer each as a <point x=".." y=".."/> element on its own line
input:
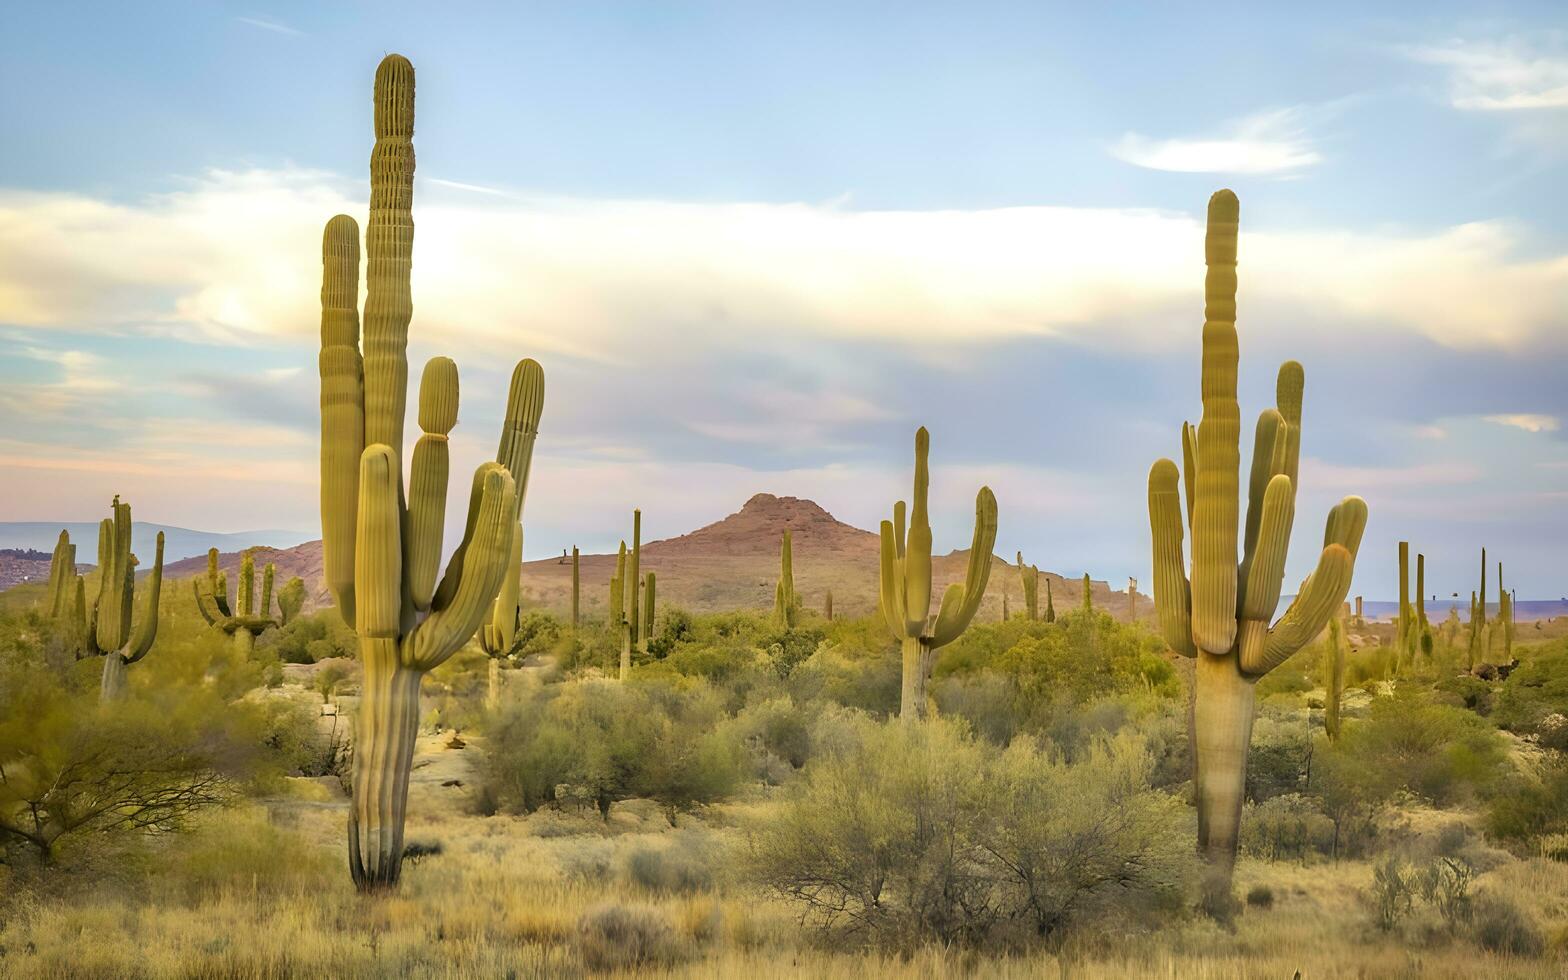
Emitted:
<point x="1444" y="884"/>
<point x="926" y="833"/>
<point x="1532" y="804"/>
<point x="1289" y="827"/>
<point x="603" y="741"/>
<point x="1392" y="895"/>
<point x="1260" y="897"/>
<point x="625" y="937"/>
<point x="777" y="728"/>
<point x="1536" y="689"/>
<point x="1280" y="758"/>
<point x="1500" y="925"/>
<point x="310" y="638"/>
<point x="1414" y="744"/>
<point x="680" y="867"/>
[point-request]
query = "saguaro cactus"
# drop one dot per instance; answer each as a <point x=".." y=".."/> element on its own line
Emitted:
<point x="1334" y="675"/>
<point x="1029" y="577"/>
<point x="1221" y="617"/>
<point x="382" y="546"/>
<point x="239" y="615"/>
<point x="827" y="606"/>
<point x="786" y="605"/>
<point x="1132" y="600"/>
<point x="906" y="583"/>
<point x="1405" y="635"/>
<point x="577" y="588"/>
<point x="105" y="628"/>
<point x="648" y="589"/>
<point x="634" y="571"/>
<point x="1050" y="603"/>
<point x="1088" y="594"/>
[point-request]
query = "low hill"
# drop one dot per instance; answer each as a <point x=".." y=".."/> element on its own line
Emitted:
<point x="178" y="542"/>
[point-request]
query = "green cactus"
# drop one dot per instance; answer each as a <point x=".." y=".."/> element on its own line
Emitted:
<point x="1029" y="576"/>
<point x="1334" y="676"/>
<point x="1423" y="625"/>
<point x="786" y="604"/>
<point x="1480" y="636"/>
<point x="1132" y="600"/>
<point x="634" y="573"/>
<point x="577" y="588"/>
<point x="105" y="629"/>
<point x="1050" y="603"/>
<point x="905" y="573"/>
<point x="827" y="606"/>
<point x="1404" y="632"/>
<point x="1005" y="614"/>
<point x="498" y="634"/>
<point x="1222" y="616"/>
<point x="1505" y="616"/>
<point x="1360" y="621"/>
<point x="647" y="609"/>
<point x="242" y="618"/>
<point x="1088" y="594"/>
<point x="381" y="546"/>
<point x="617" y="614"/>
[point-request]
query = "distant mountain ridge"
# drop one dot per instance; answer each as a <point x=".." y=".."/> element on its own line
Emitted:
<point x="178" y="542"/>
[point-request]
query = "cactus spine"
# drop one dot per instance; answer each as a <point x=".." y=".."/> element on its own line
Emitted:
<point x="105" y="628"/>
<point x="905" y="578"/>
<point x="382" y="546"/>
<point x="1029" y="576"/>
<point x="786" y="604"/>
<point x="1222" y="615"/>
<point x="239" y="615"/>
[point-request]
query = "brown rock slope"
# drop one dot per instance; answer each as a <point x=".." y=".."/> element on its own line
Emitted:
<point x="734" y="564"/>
<point x="303" y="560"/>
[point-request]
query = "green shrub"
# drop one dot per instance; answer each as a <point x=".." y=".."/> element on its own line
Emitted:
<point x="1536" y="689"/>
<point x="1286" y="828"/>
<point x="1260" y="897"/>
<point x="924" y="833"/>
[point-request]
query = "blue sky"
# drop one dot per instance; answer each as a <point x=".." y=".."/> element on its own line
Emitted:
<point x="756" y="245"/>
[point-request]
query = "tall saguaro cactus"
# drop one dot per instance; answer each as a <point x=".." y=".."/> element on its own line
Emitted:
<point x="1221" y="616"/>
<point x="239" y="615"/>
<point x="105" y="628"/>
<point x="382" y="546"/>
<point x="1334" y="675"/>
<point x="786" y="604"/>
<point x="577" y="588"/>
<point x="1029" y="578"/>
<point x="1405" y="634"/>
<point x="906" y="583"/>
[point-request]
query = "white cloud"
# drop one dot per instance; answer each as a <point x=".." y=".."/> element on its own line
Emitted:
<point x="1272" y="142"/>
<point x="1527" y="421"/>
<point x="235" y="259"/>
<point x="1501" y="76"/>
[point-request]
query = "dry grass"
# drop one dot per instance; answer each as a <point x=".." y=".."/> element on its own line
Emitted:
<point x="508" y="897"/>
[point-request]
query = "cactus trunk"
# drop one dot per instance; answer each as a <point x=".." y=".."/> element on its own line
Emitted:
<point x="918" y="658"/>
<point x="1222" y="717"/>
<point x="626" y="650"/>
<point x="577" y="588"/>
<point x="1334" y="679"/>
<point x="384" y="737"/>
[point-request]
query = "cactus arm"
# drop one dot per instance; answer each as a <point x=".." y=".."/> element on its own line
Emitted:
<point x="147" y="629"/>
<point x="378" y="556"/>
<point x="446" y="630"/>
<point x="1266" y="571"/>
<point x="1214" y="520"/>
<point x="342" y="407"/>
<point x="956" y="612"/>
<point x="890" y="580"/>
<point x="520" y="429"/>
<point x="1288" y="388"/>
<point x="1347" y="522"/>
<point x="1263" y="452"/>
<point x="1172" y="595"/>
<point x="898" y="527"/>
<point x="427" y="481"/>
<point x="1320" y="597"/>
<point x="267" y="575"/>
<point x="453" y="577"/>
<point x="389" y="244"/>
<point x="247" y="587"/>
<point x="1189" y="466"/>
<point x="917" y="547"/>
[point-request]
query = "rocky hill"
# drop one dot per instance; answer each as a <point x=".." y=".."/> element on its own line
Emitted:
<point x="734" y="564"/>
<point x="303" y="560"/>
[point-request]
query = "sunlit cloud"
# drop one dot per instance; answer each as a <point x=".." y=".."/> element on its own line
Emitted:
<point x="1272" y="142"/>
<point x="235" y="259"/>
<point x="1527" y="421"/>
<point x="266" y="24"/>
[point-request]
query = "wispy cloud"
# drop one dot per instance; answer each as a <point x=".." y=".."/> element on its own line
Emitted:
<point x="1273" y="142"/>
<point x="276" y="27"/>
<point x="1511" y="75"/>
<point x="1527" y="421"/>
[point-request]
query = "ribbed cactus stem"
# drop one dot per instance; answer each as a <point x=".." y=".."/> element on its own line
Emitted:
<point x="1050" y="603"/>
<point x="827" y="605"/>
<point x="647" y="608"/>
<point x="381" y="542"/>
<point x="905" y="580"/>
<point x="1221" y="612"/>
<point x="1088" y="594"/>
<point x="1404" y="638"/>
<point x="634" y="574"/>
<point x="1334" y="677"/>
<point x="785" y="603"/>
<point x="577" y="588"/>
<point x="1029" y="578"/>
